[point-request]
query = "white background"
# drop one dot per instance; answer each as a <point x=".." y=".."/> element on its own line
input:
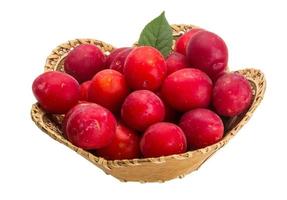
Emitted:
<point x="33" y="166"/>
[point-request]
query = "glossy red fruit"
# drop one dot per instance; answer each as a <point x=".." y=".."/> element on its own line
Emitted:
<point x="208" y="52"/>
<point x="56" y="92"/>
<point x="163" y="139"/>
<point x="145" y="68"/>
<point x="187" y="89"/>
<point x="90" y="126"/>
<point x="202" y="128"/>
<point x="113" y="54"/>
<point x="141" y="109"/>
<point x="232" y="95"/>
<point x="67" y="116"/>
<point x="108" y="88"/>
<point x="84" y="88"/>
<point x="125" y="145"/>
<point x="181" y="42"/>
<point x="119" y="60"/>
<point x="84" y="61"/>
<point x="176" y="61"/>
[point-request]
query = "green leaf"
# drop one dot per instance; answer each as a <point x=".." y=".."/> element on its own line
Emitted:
<point x="158" y="34"/>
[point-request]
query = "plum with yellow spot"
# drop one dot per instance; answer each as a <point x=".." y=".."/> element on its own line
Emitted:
<point x="109" y="89"/>
<point x="145" y="68"/>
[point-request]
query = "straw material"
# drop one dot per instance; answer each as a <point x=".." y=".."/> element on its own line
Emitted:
<point x="148" y="169"/>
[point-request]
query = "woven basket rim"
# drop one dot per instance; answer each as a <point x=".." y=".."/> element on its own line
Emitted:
<point x="59" y="53"/>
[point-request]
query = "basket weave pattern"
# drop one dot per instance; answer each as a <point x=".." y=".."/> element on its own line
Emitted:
<point x="148" y="169"/>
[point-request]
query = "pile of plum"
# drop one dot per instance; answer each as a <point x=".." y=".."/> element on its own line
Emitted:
<point x="135" y="103"/>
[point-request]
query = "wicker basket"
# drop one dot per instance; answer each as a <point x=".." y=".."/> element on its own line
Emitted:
<point x="149" y="169"/>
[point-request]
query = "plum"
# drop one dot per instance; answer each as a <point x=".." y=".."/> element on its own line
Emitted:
<point x="84" y="61"/>
<point x="182" y="41"/>
<point x="202" y="128"/>
<point x="125" y="145"/>
<point x="176" y="61"/>
<point x="187" y="89"/>
<point x="113" y="55"/>
<point x="56" y="92"/>
<point x="84" y="88"/>
<point x="90" y="126"/>
<point x="119" y="60"/>
<point x="232" y="94"/>
<point x="67" y="116"/>
<point x="109" y="89"/>
<point x="163" y="139"/>
<point x="141" y="109"/>
<point x="207" y="52"/>
<point x="145" y="68"/>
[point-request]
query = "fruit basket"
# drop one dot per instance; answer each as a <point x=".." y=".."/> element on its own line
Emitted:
<point x="146" y="169"/>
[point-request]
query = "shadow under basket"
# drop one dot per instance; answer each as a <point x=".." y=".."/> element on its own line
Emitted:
<point x="147" y="169"/>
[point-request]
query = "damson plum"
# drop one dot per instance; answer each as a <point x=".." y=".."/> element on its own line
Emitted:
<point x="202" y="128"/>
<point x="56" y="92"/>
<point x="207" y="52"/>
<point x="125" y="145"/>
<point x="187" y="89"/>
<point x="84" y="61"/>
<point x="232" y="95"/>
<point x="141" y="109"/>
<point x="163" y="139"/>
<point x="145" y="68"/>
<point x="90" y="126"/>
